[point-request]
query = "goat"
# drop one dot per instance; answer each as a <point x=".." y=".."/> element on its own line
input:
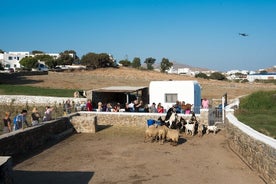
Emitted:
<point x="171" y="117"/>
<point x="212" y="128"/>
<point x="190" y="128"/>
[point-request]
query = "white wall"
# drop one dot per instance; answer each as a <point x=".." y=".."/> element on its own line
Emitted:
<point x="188" y="91"/>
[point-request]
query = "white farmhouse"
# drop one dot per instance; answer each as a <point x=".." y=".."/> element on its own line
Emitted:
<point x="265" y="76"/>
<point x="11" y="59"/>
<point x="168" y="92"/>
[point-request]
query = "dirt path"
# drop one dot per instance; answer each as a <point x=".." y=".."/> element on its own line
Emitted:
<point x="118" y="155"/>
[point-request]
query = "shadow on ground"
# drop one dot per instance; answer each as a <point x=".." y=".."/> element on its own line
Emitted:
<point x="102" y="127"/>
<point x="16" y="79"/>
<point x="47" y="177"/>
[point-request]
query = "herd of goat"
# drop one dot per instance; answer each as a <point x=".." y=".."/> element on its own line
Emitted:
<point x="170" y="128"/>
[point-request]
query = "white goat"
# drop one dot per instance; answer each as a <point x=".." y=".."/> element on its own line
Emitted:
<point x="190" y="128"/>
<point x="212" y="128"/>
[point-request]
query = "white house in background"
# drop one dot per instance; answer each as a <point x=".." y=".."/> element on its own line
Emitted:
<point x="11" y="59"/>
<point x="1" y="57"/>
<point x="168" y="92"/>
<point x="266" y="76"/>
<point x="185" y="71"/>
<point x="172" y="70"/>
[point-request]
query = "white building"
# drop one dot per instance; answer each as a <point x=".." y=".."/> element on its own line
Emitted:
<point x="267" y="76"/>
<point x="184" y="71"/>
<point x="168" y="92"/>
<point x="11" y="59"/>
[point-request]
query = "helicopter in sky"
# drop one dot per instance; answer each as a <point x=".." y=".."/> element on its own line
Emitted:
<point x="243" y="34"/>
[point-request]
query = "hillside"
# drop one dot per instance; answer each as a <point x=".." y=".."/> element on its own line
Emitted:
<point x="131" y="77"/>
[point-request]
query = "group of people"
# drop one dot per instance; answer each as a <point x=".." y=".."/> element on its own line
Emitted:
<point x="139" y="106"/>
<point x="133" y="106"/>
<point x="20" y="120"/>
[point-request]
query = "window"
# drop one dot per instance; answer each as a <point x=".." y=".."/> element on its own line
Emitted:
<point x="171" y="97"/>
<point x="10" y="57"/>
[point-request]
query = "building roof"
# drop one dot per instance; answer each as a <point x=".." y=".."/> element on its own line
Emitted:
<point x="120" y="89"/>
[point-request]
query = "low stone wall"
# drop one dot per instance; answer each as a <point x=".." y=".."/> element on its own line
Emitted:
<point x="256" y="149"/>
<point x="127" y="119"/>
<point x="86" y="123"/>
<point x="35" y="100"/>
<point x="24" y="141"/>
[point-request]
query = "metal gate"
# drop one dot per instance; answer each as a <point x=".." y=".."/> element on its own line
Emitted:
<point x="215" y="115"/>
<point x="216" y="112"/>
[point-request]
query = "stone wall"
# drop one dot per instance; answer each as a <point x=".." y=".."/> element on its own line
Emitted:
<point x="35" y="100"/>
<point x="256" y="149"/>
<point x="86" y="123"/>
<point x="24" y="141"/>
<point x="127" y="119"/>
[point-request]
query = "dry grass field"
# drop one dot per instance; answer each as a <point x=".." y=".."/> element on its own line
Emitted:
<point x="211" y="89"/>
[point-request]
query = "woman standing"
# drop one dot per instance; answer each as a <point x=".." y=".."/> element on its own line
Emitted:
<point x="7" y="123"/>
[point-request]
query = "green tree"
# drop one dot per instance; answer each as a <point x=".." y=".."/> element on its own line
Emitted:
<point x="29" y="62"/>
<point x="125" y="62"/>
<point x="165" y="64"/>
<point x="202" y="75"/>
<point x="90" y="60"/>
<point x="65" y="59"/>
<point x="49" y="60"/>
<point x="149" y="62"/>
<point x="1" y="51"/>
<point x="93" y="60"/>
<point x="136" y="62"/>
<point x="76" y="59"/>
<point x="105" y="60"/>
<point x="34" y="52"/>
<point x="217" y="76"/>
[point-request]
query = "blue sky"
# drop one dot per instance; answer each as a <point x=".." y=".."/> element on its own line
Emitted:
<point x="202" y="33"/>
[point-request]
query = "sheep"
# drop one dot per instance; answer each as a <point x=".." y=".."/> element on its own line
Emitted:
<point x="200" y="130"/>
<point x="162" y="132"/>
<point x="212" y="128"/>
<point x="173" y="135"/>
<point x="151" y="132"/>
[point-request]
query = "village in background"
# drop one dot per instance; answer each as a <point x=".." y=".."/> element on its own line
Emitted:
<point x="10" y="62"/>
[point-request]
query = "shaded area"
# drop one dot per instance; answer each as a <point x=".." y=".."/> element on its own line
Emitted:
<point x="47" y="177"/>
<point x="51" y="142"/>
<point x="182" y="140"/>
<point x="17" y="78"/>
<point x="102" y="127"/>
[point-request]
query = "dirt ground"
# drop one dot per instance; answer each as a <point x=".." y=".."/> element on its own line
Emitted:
<point x="118" y="155"/>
